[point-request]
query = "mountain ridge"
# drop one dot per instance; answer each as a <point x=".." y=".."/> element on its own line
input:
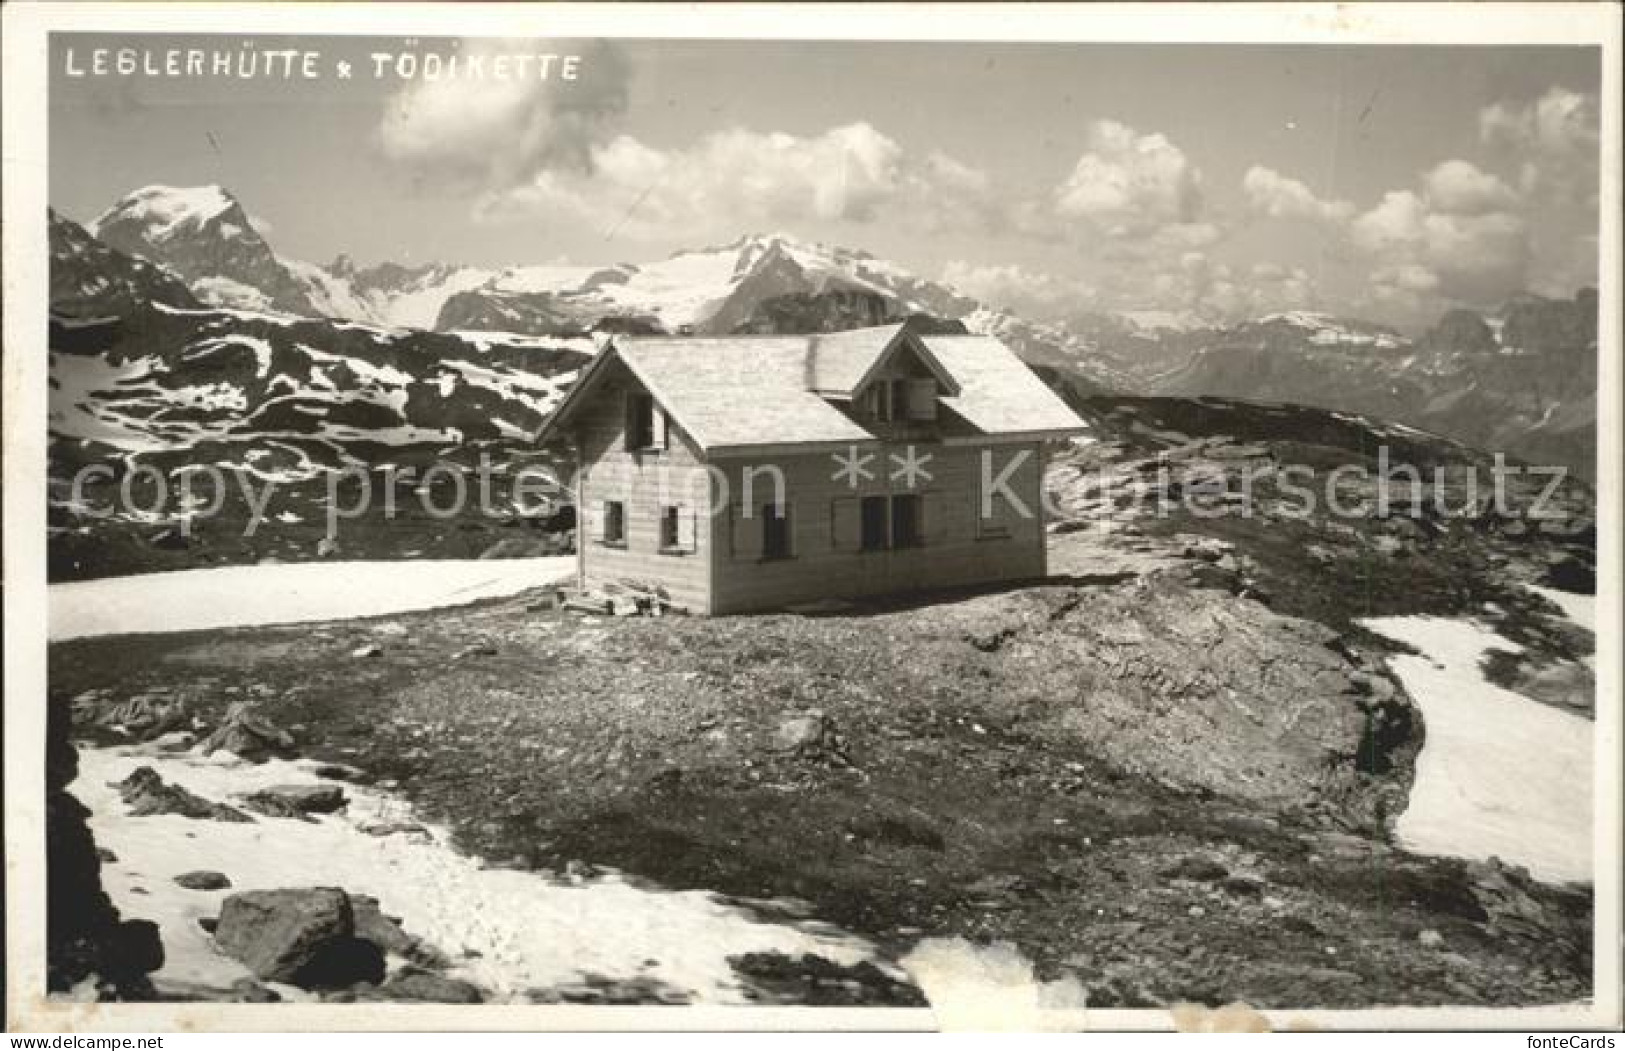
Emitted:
<point x="1513" y="379"/>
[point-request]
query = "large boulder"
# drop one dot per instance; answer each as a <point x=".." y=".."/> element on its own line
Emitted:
<point x="303" y="936"/>
<point x="296" y="801"/>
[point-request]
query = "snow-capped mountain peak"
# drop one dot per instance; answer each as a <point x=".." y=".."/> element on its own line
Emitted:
<point x="204" y="234"/>
<point x="1328" y="330"/>
<point x="167" y="211"/>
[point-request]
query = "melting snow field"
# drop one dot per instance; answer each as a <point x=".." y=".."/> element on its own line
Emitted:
<point x="507" y="931"/>
<point x="294" y="593"/>
<point x="1499" y="774"/>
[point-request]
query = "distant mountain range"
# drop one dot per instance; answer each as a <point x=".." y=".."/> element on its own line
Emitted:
<point x="1521" y="379"/>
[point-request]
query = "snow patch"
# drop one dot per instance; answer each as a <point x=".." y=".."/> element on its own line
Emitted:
<point x="1581" y="609"/>
<point x="294" y="593"/>
<point x="507" y="931"/>
<point x="1499" y="774"/>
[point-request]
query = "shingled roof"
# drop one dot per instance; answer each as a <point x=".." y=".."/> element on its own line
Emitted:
<point x="739" y="393"/>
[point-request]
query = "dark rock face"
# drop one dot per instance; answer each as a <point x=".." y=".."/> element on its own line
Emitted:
<point x="146" y="793"/>
<point x="84" y="934"/>
<point x="89" y="279"/>
<point x="831" y="311"/>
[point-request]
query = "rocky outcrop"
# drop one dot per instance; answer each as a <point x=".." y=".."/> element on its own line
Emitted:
<point x="139" y="717"/>
<point x="147" y="794"/>
<point x="247" y="735"/>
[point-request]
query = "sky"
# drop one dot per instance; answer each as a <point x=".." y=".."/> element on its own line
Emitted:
<point x="1383" y="182"/>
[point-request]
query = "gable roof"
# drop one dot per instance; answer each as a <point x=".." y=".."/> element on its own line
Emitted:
<point x="998" y="393"/>
<point x="737" y="393"/>
<point x="839" y="364"/>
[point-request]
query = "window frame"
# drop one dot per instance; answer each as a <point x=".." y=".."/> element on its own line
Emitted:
<point x="915" y="519"/>
<point x="784" y="531"/>
<point x="671" y="529"/>
<point x="884" y="525"/>
<point x="614" y="512"/>
<point x="642" y="434"/>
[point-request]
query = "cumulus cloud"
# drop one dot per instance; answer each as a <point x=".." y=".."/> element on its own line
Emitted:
<point x="1271" y="194"/>
<point x="1013" y="287"/>
<point x="852" y="173"/>
<point x="1460" y="188"/>
<point x="1552" y="145"/>
<point x="1560" y="126"/>
<point x="1213" y="290"/>
<point x="1130" y="185"/>
<point x="1460" y="237"/>
<point x="491" y="132"/>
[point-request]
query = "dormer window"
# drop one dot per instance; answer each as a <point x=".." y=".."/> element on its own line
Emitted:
<point x="889" y="400"/>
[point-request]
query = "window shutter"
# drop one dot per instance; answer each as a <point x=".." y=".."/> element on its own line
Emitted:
<point x="747" y="534"/>
<point x="922" y="399"/>
<point x="686" y="529"/>
<point x="658" y="429"/>
<point x="592" y="521"/>
<point x="845" y="523"/>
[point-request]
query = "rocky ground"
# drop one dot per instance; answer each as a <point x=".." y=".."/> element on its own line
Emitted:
<point x="1179" y="750"/>
<point x="1138" y="778"/>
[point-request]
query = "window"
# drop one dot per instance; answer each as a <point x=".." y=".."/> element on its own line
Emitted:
<point x="775" y="531"/>
<point x="613" y="530"/>
<point x="881" y="522"/>
<point x="669" y="518"/>
<point x="646" y="427"/>
<point x="899" y="399"/>
<point x="873" y="513"/>
<point x="676" y="530"/>
<point x="906" y="521"/>
<point x="921" y="398"/>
